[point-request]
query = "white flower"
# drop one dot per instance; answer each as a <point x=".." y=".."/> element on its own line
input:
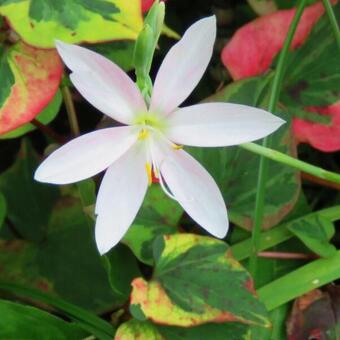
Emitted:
<point x="151" y="140"/>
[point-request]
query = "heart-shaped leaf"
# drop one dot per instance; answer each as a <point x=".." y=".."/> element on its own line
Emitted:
<point x="139" y="330"/>
<point x="196" y="281"/>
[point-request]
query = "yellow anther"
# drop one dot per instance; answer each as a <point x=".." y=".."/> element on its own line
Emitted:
<point x="149" y="172"/>
<point x="177" y="147"/>
<point x="143" y="134"/>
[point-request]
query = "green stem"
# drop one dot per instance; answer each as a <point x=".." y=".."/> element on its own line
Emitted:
<point x="292" y="162"/>
<point x="263" y="167"/>
<point x="71" y="111"/>
<point x="281" y="233"/>
<point x="333" y="21"/>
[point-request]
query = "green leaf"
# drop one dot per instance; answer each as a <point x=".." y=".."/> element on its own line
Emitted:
<point x="189" y="285"/>
<point x="300" y="281"/>
<point x="24" y="322"/>
<point x="313" y="71"/>
<point x="45" y="117"/>
<point x="120" y="52"/>
<point x="230" y="331"/>
<point x="40" y="22"/>
<point x="236" y="170"/>
<point x="3" y="209"/>
<point x="159" y="215"/>
<point x="138" y="330"/>
<point x="6" y="75"/>
<point x="40" y="265"/>
<point x="86" y="320"/>
<point x="29" y="203"/>
<point x="58" y="250"/>
<point x="122" y="268"/>
<point x="281" y="233"/>
<point x="315" y="233"/>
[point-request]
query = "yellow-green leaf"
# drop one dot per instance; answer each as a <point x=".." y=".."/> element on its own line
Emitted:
<point x="40" y="22"/>
<point x="136" y="330"/>
<point x="196" y="281"/>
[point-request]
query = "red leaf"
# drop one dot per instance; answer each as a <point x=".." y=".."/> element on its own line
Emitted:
<point x="251" y="51"/>
<point x="254" y="46"/>
<point x="37" y="75"/>
<point x="146" y="4"/>
<point x="322" y="137"/>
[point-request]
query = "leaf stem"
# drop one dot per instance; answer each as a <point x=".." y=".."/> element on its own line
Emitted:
<point x="71" y="111"/>
<point x="263" y="167"/>
<point x="333" y="21"/>
<point x="292" y="162"/>
<point x="287" y="256"/>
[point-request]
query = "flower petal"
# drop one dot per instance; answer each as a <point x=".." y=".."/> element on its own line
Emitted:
<point x="120" y="196"/>
<point x="220" y="124"/>
<point x="183" y="66"/>
<point x="86" y="156"/>
<point x="102" y="83"/>
<point x="194" y="188"/>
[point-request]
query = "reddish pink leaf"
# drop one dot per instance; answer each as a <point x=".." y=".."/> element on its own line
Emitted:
<point x="146" y="4"/>
<point x="254" y="46"/>
<point x="37" y="74"/>
<point x="322" y="137"/>
<point x="251" y="51"/>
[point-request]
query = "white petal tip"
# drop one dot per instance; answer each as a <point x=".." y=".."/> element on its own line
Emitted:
<point x="104" y="246"/>
<point x="59" y="45"/>
<point x="102" y="250"/>
<point x="221" y="233"/>
<point x="39" y="176"/>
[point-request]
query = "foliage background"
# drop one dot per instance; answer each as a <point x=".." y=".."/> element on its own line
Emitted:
<point x="168" y="280"/>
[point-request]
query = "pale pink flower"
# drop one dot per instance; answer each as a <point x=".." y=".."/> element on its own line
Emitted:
<point x="150" y="141"/>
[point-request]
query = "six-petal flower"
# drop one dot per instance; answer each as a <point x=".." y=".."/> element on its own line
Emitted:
<point x="149" y="142"/>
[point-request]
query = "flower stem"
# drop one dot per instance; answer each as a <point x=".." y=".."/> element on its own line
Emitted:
<point x="292" y="162"/>
<point x="71" y="111"/>
<point x="333" y="21"/>
<point x="263" y="167"/>
<point x="48" y="131"/>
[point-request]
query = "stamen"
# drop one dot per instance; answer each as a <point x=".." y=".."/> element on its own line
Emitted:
<point x="149" y="172"/>
<point x="143" y="134"/>
<point x="177" y="147"/>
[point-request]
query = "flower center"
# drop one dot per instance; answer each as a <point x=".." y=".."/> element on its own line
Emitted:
<point x="150" y="119"/>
